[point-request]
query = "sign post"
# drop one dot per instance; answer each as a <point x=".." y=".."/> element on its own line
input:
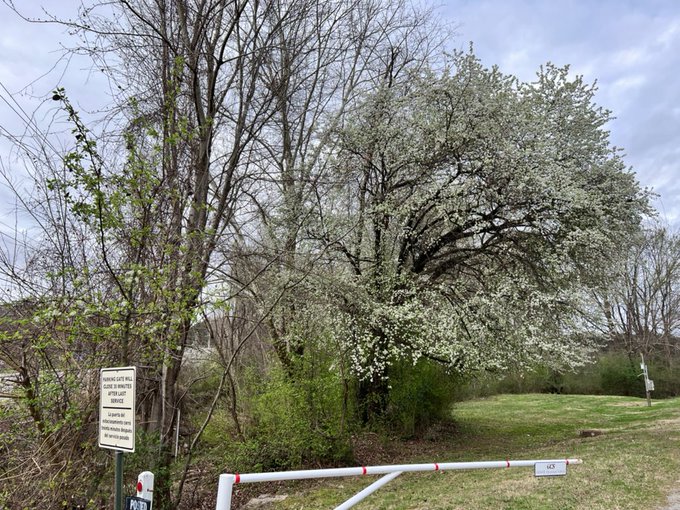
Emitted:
<point x="144" y="498"/>
<point x="649" y="384"/>
<point x="118" y="497"/>
<point x="117" y="405"/>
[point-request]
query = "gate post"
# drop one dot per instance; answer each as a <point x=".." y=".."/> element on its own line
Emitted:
<point x="145" y="485"/>
<point x="224" y="490"/>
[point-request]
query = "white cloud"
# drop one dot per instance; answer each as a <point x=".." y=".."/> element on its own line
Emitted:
<point x="631" y="48"/>
<point x="626" y="84"/>
<point x="668" y="37"/>
<point x="630" y="57"/>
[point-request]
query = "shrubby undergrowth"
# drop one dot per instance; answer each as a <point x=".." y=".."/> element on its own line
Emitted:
<point x="611" y="373"/>
<point x="309" y="421"/>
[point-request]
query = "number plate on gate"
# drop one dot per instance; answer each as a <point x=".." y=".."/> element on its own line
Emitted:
<point x="550" y="468"/>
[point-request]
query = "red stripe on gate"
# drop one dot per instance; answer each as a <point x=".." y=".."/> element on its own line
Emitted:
<point x="363" y="470"/>
<point x="507" y="462"/>
<point x="436" y="466"/>
<point x="237" y="478"/>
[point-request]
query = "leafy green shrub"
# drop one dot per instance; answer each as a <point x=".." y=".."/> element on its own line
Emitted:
<point x="298" y="421"/>
<point x="539" y="379"/>
<point x="420" y="396"/>
<point x="586" y="380"/>
<point x="619" y="375"/>
<point x="666" y="376"/>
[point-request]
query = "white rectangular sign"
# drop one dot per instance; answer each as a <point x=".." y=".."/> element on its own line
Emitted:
<point x="550" y="468"/>
<point x="117" y="408"/>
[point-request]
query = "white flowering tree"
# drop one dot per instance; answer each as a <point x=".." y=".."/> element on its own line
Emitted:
<point x="476" y="211"/>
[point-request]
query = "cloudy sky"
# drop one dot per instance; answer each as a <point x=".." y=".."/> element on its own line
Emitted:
<point x="632" y="49"/>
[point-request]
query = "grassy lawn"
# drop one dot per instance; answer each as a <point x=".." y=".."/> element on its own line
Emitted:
<point x="634" y="464"/>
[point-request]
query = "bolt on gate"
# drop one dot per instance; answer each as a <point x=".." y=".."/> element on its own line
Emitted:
<point x="550" y="467"/>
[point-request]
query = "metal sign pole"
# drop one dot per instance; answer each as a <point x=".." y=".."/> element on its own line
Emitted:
<point x="649" y="384"/>
<point x="118" y="501"/>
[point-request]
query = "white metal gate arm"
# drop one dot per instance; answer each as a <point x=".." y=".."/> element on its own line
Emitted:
<point x="360" y="496"/>
<point x="383" y="470"/>
<point x="227" y="481"/>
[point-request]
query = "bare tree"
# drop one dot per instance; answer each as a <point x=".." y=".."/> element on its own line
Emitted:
<point x="189" y="107"/>
<point x="220" y="131"/>
<point x="643" y="306"/>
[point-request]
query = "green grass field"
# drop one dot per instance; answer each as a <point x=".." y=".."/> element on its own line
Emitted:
<point x="633" y="465"/>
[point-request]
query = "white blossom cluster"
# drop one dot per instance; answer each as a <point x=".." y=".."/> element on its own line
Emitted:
<point x="480" y="212"/>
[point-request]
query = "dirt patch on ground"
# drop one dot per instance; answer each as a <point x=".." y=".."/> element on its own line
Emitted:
<point x="265" y="500"/>
<point x="630" y="404"/>
<point x="663" y="426"/>
<point x="668" y="423"/>
<point x="590" y="432"/>
<point x="673" y="501"/>
<point x="371" y="449"/>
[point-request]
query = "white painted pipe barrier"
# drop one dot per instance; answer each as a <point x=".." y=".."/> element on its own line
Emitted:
<point x="359" y="496"/>
<point x="228" y="480"/>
